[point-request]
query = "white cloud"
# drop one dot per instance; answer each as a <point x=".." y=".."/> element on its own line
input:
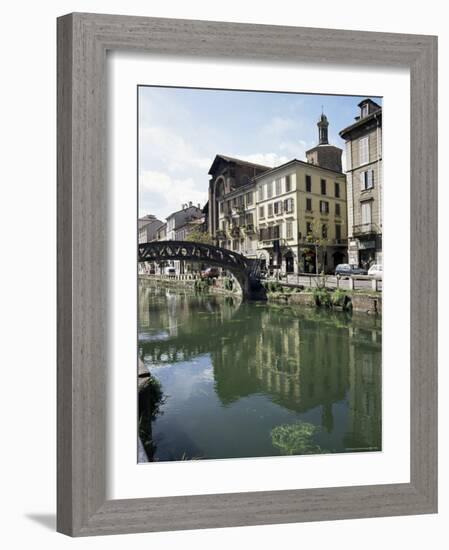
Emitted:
<point x="266" y="159"/>
<point x="277" y="126"/>
<point x="295" y="149"/>
<point x="162" y="194"/>
<point x="170" y="149"/>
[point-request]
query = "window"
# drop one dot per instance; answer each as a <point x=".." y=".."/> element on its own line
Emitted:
<point x="288" y="205"/>
<point x="324" y="231"/>
<point x="309" y="205"/>
<point x="261" y="212"/>
<point x="337" y="209"/>
<point x="366" y="212"/>
<point x="235" y="244"/>
<point x="337" y="190"/>
<point x="269" y="233"/>
<point x="278" y="207"/>
<point x="323" y="187"/>
<point x="364" y="150"/>
<point x="221" y="207"/>
<point x="269" y="189"/>
<point x="249" y="199"/>
<point x="338" y="231"/>
<point x="288" y="183"/>
<point x="260" y="193"/>
<point x="289" y="230"/>
<point x="308" y="184"/>
<point x="249" y="219"/>
<point x="309" y="230"/>
<point x="270" y="210"/>
<point x="366" y="180"/>
<point x="324" y="207"/>
<point x="278" y="186"/>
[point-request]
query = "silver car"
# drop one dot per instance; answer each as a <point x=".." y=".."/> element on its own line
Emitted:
<point x="375" y="271"/>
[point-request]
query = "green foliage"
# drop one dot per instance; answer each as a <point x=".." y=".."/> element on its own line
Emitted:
<point x="274" y="286"/>
<point x="202" y="285"/>
<point x="151" y="397"/>
<point x="228" y="283"/>
<point x="339" y="298"/>
<point x="322" y="297"/>
<point x="295" y="439"/>
<point x="198" y="236"/>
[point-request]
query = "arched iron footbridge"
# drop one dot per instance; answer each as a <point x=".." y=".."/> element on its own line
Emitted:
<point x="245" y="270"/>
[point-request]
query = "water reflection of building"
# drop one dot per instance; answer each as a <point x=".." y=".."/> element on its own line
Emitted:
<point x="302" y="360"/>
<point x="299" y="366"/>
<point x="364" y="395"/>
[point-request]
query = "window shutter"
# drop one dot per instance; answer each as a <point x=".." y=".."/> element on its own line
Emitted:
<point x="362" y="181"/>
<point x="364" y="150"/>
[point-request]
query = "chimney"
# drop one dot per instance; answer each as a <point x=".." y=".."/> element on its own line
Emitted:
<point x="190" y="203"/>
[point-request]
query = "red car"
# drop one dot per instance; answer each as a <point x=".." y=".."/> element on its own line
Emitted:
<point x="210" y="273"/>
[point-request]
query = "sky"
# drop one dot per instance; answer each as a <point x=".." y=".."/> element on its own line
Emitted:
<point x="181" y="130"/>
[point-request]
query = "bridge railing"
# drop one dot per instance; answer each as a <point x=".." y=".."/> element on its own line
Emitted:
<point x="170" y="276"/>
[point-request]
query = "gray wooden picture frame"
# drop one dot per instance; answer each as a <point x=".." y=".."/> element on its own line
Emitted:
<point x="83" y="40"/>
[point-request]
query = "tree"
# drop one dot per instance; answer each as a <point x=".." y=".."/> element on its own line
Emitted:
<point x="318" y="238"/>
<point x="198" y="236"/>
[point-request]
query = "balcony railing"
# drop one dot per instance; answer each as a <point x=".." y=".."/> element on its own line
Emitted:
<point x="365" y="229"/>
<point x="234" y="231"/>
<point x="268" y="243"/>
<point x="249" y="228"/>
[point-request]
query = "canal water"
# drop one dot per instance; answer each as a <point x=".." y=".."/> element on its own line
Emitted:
<point x="230" y="379"/>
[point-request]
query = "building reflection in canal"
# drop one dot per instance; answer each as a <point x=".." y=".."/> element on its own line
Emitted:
<point x="232" y="372"/>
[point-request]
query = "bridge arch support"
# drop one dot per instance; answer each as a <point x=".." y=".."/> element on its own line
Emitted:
<point x="241" y="267"/>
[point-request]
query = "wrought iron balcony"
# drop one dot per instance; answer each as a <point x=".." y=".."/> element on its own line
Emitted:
<point x="268" y="243"/>
<point x="365" y="229"/>
<point x="235" y="231"/>
<point x="249" y="228"/>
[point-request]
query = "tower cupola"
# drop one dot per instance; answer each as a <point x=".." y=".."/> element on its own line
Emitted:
<point x="323" y="125"/>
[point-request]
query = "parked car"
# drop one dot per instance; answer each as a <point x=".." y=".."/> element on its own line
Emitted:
<point x="210" y="273"/>
<point x="171" y="271"/>
<point x="346" y="270"/>
<point x="375" y="271"/>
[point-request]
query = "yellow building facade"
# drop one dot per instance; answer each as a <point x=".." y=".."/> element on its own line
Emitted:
<point x="301" y="218"/>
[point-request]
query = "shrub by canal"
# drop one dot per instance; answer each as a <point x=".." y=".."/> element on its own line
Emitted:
<point x="367" y="302"/>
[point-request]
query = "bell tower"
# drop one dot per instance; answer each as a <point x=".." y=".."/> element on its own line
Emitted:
<point x="323" y="125"/>
<point x="323" y="154"/>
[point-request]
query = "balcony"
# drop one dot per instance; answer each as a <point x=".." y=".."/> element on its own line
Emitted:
<point x="269" y="243"/>
<point x="365" y="229"/>
<point x="238" y="209"/>
<point x="234" y="231"/>
<point x="249" y="229"/>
